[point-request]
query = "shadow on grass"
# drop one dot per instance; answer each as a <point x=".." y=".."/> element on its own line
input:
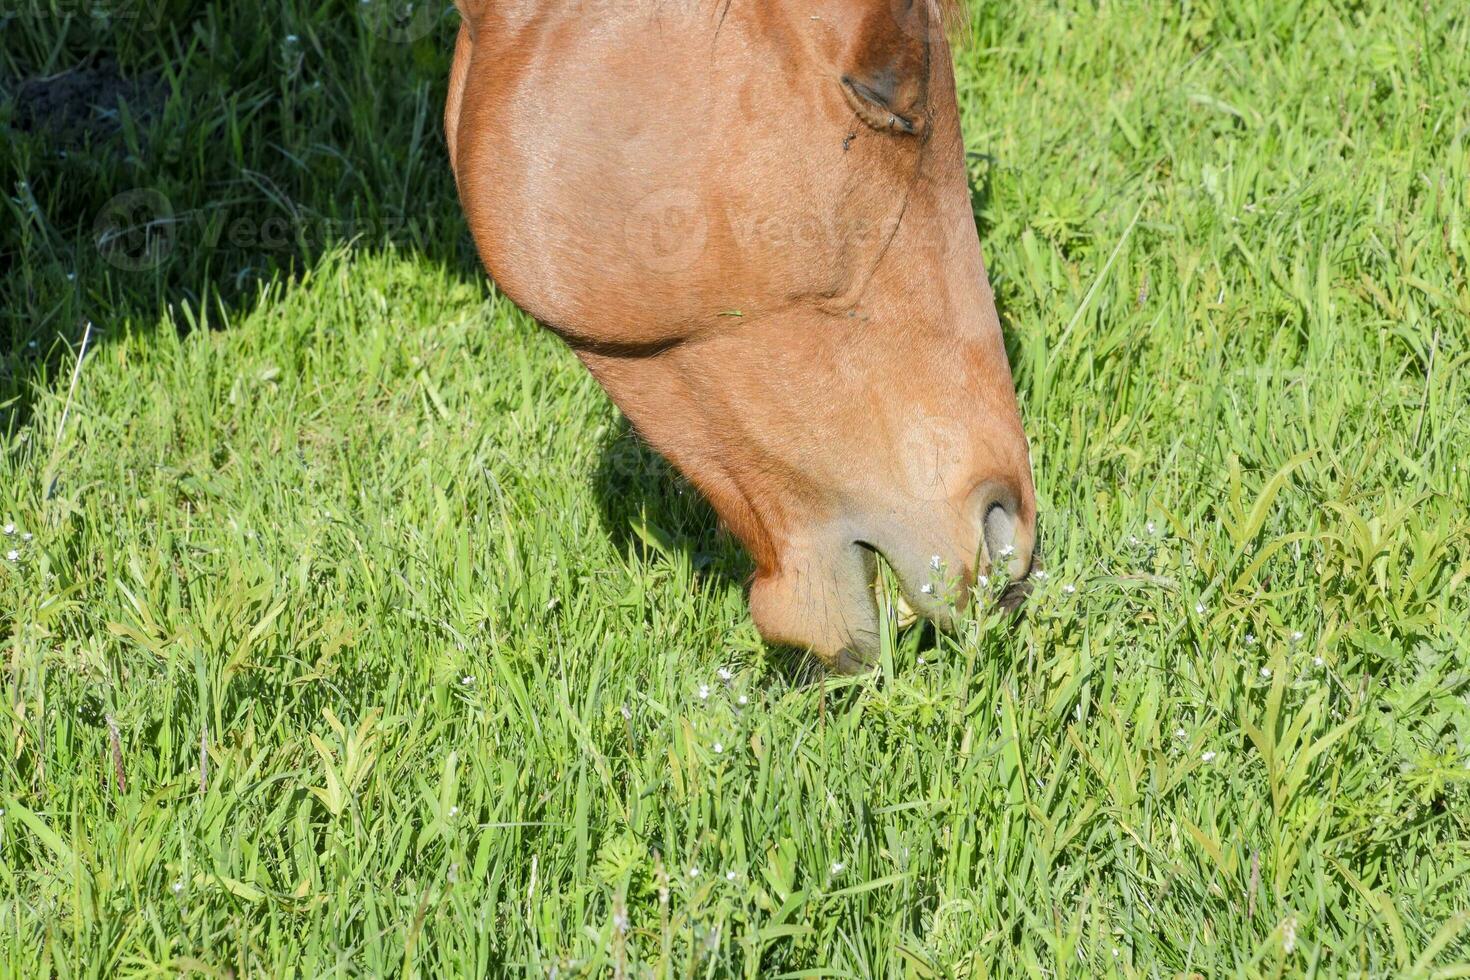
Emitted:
<point x="163" y="161"/>
<point x="164" y="164"/>
<point x="650" y="510"/>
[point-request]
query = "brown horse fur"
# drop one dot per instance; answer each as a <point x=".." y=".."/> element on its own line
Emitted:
<point x="751" y="221"/>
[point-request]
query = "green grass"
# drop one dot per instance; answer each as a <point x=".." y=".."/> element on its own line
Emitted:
<point x="356" y="636"/>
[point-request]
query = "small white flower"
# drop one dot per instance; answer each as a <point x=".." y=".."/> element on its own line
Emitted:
<point x="719" y="748"/>
<point x="742" y="700"/>
<point x="1317" y="661"/>
<point x="1265" y="671"/>
<point x="466" y="680"/>
<point x="454" y="811"/>
<point x="1180" y="734"/>
<point x="1116" y="954"/>
<point x="1207" y="757"/>
<point x="704" y="692"/>
<point x="1199" y="608"/>
<point x="936" y="563"/>
<point x="9" y="529"/>
<point x="176" y="887"/>
<point x="1151" y="528"/>
<point x="725" y="673"/>
<point x="922" y="661"/>
<point x="983" y="581"/>
<point x="627" y="715"/>
<point x="292" y="39"/>
<point x="1007" y="551"/>
<point x="1040" y="576"/>
<point x="838" y="867"/>
<point x="927" y="588"/>
<point x="731" y="876"/>
<point x="694" y="872"/>
<point x="1070" y="589"/>
<point x="1250" y="639"/>
<point x="12" y="555"/>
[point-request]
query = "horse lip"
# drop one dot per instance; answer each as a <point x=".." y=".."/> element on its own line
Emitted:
<point x="913" y="602"/>
<point x="1013" y="597"/>
<point x="902" y="611"/>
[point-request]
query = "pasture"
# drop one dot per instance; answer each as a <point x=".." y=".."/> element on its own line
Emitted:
<point x="346" y="630"/>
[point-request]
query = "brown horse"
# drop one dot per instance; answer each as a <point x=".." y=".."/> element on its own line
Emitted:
<point x="751" y="221"/>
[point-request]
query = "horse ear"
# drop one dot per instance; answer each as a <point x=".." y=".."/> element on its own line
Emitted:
<point x="887" y="79"/>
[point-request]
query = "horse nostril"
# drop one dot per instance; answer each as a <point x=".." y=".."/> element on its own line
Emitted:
<point x="1000" y="533"/>
<point x="1005" y="542"/>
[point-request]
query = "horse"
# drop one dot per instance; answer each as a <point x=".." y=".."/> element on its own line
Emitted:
<point x="751" y="222"/>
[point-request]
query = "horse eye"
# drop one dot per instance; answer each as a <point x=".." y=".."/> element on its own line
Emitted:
<point x="886" y="76"/>
<point x="872" y="99"/>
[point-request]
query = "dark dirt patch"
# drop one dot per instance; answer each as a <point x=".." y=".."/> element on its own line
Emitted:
<point x="81" y="104"/>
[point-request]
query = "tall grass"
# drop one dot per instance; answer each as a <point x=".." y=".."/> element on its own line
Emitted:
<point x="347" y="632"/>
